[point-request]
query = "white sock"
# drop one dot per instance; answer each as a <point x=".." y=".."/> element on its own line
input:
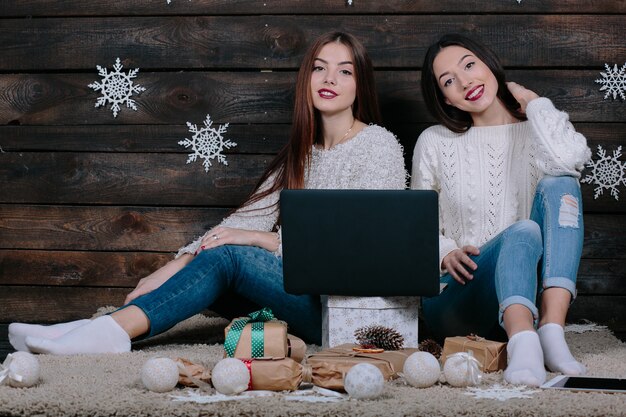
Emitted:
<point x="556" y="353"/>
<point x="102" y="335"/>
<point x="525" y="360"/>
<point x="18" y="332"/>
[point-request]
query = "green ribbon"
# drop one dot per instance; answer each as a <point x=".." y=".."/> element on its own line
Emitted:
<point x="257" y="320"/>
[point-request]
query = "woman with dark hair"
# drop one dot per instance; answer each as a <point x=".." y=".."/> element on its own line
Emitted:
<point x="334" y="144"/>
<point x="506" y="165"/>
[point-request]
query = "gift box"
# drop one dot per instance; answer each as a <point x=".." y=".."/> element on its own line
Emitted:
<point x="341" y="316"/>
<point x="296" y="348"/>
<point x="258" y="335"/>
<point x="275" y="374"/>
<point x="328" y="367"/>
<point x="491" y="355"/>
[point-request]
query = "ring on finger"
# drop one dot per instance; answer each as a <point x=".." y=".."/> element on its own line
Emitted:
<point x="215" y="237"/>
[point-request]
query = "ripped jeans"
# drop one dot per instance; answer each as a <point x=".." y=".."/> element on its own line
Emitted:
<point x="507" y="270"/>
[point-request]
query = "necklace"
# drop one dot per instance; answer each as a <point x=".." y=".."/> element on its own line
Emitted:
<point x="345" y="135"/>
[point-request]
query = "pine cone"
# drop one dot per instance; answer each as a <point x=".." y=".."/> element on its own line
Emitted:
<point x="430" y="346"/>
<point x="380" y="336"/>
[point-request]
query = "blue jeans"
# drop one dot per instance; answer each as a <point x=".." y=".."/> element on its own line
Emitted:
<point x="507" y="270"/>
<point x="248" y="271"/>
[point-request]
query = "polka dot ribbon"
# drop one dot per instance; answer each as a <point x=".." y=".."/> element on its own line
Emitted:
<point x="257" y="321"/>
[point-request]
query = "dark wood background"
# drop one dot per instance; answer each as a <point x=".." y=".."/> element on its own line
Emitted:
<point x="89" y="203"/>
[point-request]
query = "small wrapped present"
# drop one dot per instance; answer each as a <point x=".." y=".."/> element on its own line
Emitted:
<point x="275" y="374"/>
<point x="271" y="374"/>
<point x="255" y="336"/>
<point x="491" y="355"/>
<point x="341" y="316"/>
<point x="329" y="366"/>
<point x="296" y="348"/>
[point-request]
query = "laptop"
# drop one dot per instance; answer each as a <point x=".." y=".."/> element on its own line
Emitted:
<point x="360" y="242"/>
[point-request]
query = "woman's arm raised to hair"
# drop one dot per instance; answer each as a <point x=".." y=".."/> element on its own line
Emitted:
<point x="562" y="150"/>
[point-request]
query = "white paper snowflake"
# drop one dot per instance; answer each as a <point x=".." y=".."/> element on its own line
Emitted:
<point x="613" y="81"/>
<point x="312" y="395"/>
<point x="116" y="87"/>
<point x="207" y="143"/>
<point x="607" y="172"/>
<point x="501" y="393"/>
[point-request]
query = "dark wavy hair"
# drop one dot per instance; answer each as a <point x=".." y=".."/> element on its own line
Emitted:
<point x="454" y="119"/>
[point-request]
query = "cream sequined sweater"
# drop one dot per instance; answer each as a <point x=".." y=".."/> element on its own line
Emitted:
<point x="373" y="159"/>
<point x="486" y="177"/>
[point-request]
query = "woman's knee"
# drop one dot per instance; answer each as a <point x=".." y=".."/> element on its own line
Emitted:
<point x="527" y="231"/>
<point x="563" y="184"/>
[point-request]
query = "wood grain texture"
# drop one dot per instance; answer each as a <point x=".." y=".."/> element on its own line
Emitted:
<point x="89" y="203"/>
<point x="55" y="304"/>
<point x="136" y="179"/>
<point x="117" y="228"/>
<point x="124" y="269"/>
<point x="273" y="42"/>
<point x="326" y="7"/>
<point x="250" y="138"/>
<point x="78" y="268"/>
<point x="160" y="229"/>
<point x="157" y="179"/>
<point x="251" y="97"/>
<point x="606" y="310"/>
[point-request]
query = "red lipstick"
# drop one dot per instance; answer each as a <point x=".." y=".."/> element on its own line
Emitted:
<point x="475" y="93"/>
<point x="326" y="93"/>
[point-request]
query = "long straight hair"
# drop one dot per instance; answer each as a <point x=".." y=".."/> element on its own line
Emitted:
<point x="292" y="160"/>
<point x="454" y="119"/>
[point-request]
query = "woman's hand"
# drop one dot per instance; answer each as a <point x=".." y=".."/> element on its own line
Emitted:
<point x="221" y="235"/>
<point x="158" y="277"/>
<point x="522" y="94"/>
<point x="458" y="262"/>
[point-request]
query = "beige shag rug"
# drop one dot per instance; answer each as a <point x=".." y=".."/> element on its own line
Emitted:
<point x="109" y="385"/>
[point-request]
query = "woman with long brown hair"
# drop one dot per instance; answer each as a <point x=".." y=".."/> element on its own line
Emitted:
<point x="334" y="144"/>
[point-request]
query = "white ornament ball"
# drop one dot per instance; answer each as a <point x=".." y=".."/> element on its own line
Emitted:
<point x="421" y="369"/>
<point x="24" y="365"/>
<point x="230" y="376"/>
<point x="160" y="374"/>
<point x="457" y="370"/>
<point x="364" y="381"/>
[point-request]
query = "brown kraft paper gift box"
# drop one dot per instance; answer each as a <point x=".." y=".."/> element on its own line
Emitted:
<point x="277" y="342"/>
<point x="274" y="340"/>
<point x="490" y="354"/>
<point x="329" y="366"/>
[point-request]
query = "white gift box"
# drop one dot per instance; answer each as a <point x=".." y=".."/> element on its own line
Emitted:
<point x="341" y="316"/>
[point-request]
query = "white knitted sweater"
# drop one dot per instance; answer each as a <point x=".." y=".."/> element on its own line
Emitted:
<point x="373" y="159"/>
<point x="486" y="177"/>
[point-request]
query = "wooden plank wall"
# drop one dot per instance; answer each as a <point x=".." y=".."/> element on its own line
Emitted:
<point x="90" y="203"/>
